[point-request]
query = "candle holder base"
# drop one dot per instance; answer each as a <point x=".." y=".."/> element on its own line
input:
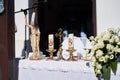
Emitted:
<point x="60" y="56"/>
<point x="86" y="58"/>
<point x="51" y="51"/>
<point x="71" y="58"/>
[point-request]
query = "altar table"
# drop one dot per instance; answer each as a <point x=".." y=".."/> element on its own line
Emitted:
<point x="58" y="70"/>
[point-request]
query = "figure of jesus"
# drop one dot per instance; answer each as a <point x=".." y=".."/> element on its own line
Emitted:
<point x="34" y="39"/>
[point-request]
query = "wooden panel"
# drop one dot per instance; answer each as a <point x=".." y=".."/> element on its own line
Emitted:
<point x="7" y="41"/>
<point x="94" y="17"/>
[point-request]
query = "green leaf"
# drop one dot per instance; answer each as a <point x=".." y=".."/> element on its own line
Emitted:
<point x="113" y="65"/>
<point x="106" y="72"/>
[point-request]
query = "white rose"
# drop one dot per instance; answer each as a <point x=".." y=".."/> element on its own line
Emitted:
<point x="93" y="59"/>
<point x="118" y="43"/>
<point x="116" y="38"/>
<point x="100" y="44"/>
<point x="93" y="49"/>
<point x="111" y="52"/>
<point x="97" y="71"/>
<point x="93" y="64"/>
<point x="118" y="50"/>
<point x="110" y="47"/>
<point x="106" y="35"/>
<point x="91" y="38"/>
<point x="99" y="66"/>
<point x="93" y="42"/>
<point x="111" y="40"/>
<point x="99" y="53"/>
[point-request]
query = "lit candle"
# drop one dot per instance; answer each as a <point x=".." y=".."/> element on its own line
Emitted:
<point x="51" y="41"/>
<point x="71" y="41"/>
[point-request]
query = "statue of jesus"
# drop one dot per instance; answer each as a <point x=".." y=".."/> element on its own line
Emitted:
<point x="34" y="39"/>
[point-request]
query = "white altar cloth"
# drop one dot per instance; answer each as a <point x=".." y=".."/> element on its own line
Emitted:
<point x="58" y="70"/>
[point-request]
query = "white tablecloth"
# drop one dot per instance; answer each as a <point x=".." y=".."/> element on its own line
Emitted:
<point x="58" y="70"/>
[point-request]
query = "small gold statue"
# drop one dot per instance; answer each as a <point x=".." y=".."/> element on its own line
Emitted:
<point x="34" y="38"/>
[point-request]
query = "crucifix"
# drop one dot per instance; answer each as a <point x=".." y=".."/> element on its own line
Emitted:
<point x="25" y="44"/>
<point x="60" y="35"/>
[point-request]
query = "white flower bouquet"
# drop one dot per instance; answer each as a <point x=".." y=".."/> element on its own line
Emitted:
<point x="105" y="52"/>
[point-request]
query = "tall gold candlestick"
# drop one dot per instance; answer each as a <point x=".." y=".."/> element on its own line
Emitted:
<point x="51" y="51"/>
<point x="60" y="56"/>
<point x="71" y="58"/>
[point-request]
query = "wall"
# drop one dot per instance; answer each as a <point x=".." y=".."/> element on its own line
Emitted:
<point x="108" y="14"/>
<point x="19" y="21"/>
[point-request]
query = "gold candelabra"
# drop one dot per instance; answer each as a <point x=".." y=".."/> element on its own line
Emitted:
<point x="71" y="58"/>
<point x="51" y="51"/>
<point x="60" y="35"/>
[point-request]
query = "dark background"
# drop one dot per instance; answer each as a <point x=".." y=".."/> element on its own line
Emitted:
<point x="55" y="14"/>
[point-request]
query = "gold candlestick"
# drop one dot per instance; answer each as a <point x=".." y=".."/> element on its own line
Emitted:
<point x="60" y="56"/>
<point x="71" y="58"/>
<point x="60" y="34"/>
<point x="51" y="51"/>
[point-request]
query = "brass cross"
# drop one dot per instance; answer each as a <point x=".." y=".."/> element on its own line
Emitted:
<point x="59" y="34"/>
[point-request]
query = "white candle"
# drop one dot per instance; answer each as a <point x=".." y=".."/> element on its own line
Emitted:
<point x="51" y="41"/>
<point x="71" y="41"/>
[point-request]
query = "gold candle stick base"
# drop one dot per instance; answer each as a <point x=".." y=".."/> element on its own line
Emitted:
<point x="86" y="58"/>
<point x="51" y="51"/>
<point x="60" y="56"/>
<point x="71" y="58"/>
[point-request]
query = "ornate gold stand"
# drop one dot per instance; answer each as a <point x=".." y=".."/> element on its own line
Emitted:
<point x="60" y="56"/>
<point x="51" y="51"/>
<point x="71" y="58"/>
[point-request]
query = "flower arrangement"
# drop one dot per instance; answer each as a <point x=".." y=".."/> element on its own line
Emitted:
<point x="105" y="52"/>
